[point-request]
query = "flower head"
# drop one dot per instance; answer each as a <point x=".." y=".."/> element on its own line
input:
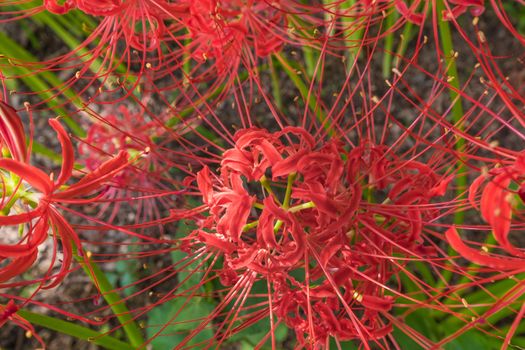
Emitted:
<point x="126" y="130"/>
<point x="300" y="216"/>
<point x="221" y="30"/>
<point x="31" y="199"/>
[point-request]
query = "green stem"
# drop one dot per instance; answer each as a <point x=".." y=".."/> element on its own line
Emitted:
<point x="249" y="226"/>
<point x="117" y="305"/>
<point x="353" y="33"/>
<point x="258" y="206"/>
<point x="300" y="207"/>
<point x="75" y="330"/>
<point x="457" y="113"/>
<point x="186" y="59"/>
<point x="389" y="44"/>
<point x="310" y="61"/>
<point x="313" y="104"/>
<point x="403" y="43"/>
<point x="276" y="85"/>
<point x="457" y="107"/>
<point x="287" y="197"/>
<point x="288" y="193"/>
<point x="266" y="185"/>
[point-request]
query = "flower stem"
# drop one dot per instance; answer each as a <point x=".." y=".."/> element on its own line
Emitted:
<point x="299" y="207"/>
<point x="288" y="193"/>
<point x="353" y="32"/>
<point x="249" y="226"/>
<point x="389" y="44"/>
<point x="457" y="115"/>
<point x="292" y="72"/>
<point x="457" y="106"/>
<point x="266" y="185"/>
<point x="286" y="202"/>
<point x="117" y="305"/>
<point x="403" y="43"/>
<point x="276" y="85"/>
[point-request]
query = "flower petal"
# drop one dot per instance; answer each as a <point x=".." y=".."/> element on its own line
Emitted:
<point x="35" y="239"/>
<point x="481" y="258"/>
<point x="17" y="266"/>
<point x="68" y="154"/>
<point x="34" y="176"/>
<point x="497" y="210"/>
<point x="94" y="179"/>
<point x="12" y="132"/>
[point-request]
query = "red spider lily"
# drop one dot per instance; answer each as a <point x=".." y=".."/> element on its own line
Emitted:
<point x="38" y="210"/>
<point x="123" y="129"/>
<point x="498" y="205"/>
<point x="221" y="29"/>
<point x="322" y="227"/>
<point x="126" y="16"/>
<point x="154" y="39"/>
<point x="314" y="224"/>
<point x="327" y="215"/>
<point x="126" y="43"/>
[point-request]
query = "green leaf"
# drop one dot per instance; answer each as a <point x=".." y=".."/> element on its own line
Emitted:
<point x="117" y="305"/>
<point x="188" y="317"/>
<point x="75" y="330"/>
<point x="473" y="340"/>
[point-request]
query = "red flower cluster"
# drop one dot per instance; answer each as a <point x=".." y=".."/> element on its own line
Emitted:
<point x="31" y="198"/>
<point x="221" y="29"/>
<point x="313" y="231"/>
<point x="125" y="130"/>
<point x="332" y="225"/>
<point x="128" y="17"/>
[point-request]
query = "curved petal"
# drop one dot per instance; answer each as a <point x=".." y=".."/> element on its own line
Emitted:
<point x="17" y="266"/>
<point x="496" y="209"/>
<point x="215" y="241"/>
<point x="100" y="7"/>
<point x="34" y="176"/>
<point x="12" y="132"/>
<point x="205" y="185"/>
<point x="67" y="235"/>
<point x="68" y="154"/>
<point x="22" y="218"/>
<point x="372" y="302"/>
<point x="301" y="133"/>
<point x="94" y="179"/>
<point x="481" y="258"/>
<point x="473" y="190"/>
<point x="36" y="238"/>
